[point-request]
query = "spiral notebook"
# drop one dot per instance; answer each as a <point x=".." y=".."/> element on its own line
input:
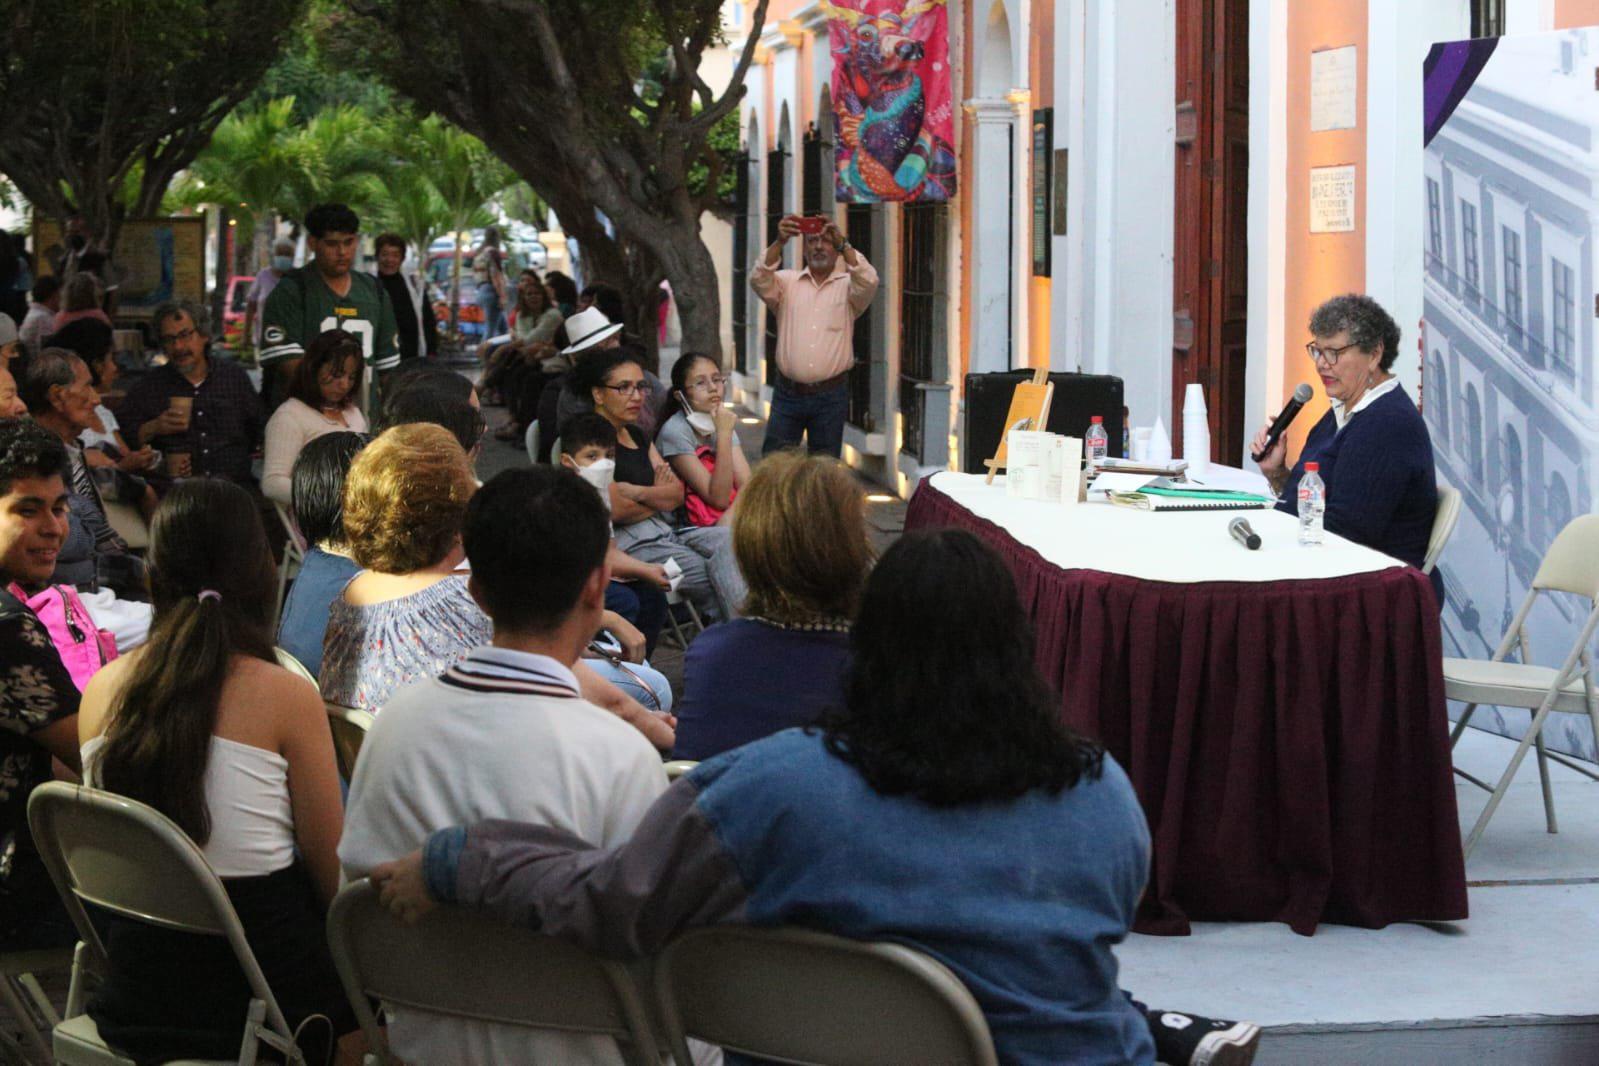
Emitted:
<point x="1166" y="495"/>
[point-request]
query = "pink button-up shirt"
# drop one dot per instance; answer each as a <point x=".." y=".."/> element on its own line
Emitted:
<point x="815" y="319"/>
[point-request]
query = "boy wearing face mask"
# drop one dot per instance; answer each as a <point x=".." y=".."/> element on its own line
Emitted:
<point x="638" y="589"/>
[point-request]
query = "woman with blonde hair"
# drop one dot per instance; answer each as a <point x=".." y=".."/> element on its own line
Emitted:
<point x="407" y="615"/>
<point x="799" y="536"/>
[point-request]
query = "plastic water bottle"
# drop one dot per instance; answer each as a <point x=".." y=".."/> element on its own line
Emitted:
<point x="1312" y="504"/>
<point x="1096" y="444"/>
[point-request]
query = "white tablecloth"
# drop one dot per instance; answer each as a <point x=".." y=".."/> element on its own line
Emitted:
<point x="1182" y="546"/>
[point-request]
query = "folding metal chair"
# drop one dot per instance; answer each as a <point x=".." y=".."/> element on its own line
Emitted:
<point x="31" y="1009"/>
<point x="294" y="549"/>
<point x="459" y="963"/>
<point x="1571" y="565"/>
<point x="799" y="996"/>
<point x="350" y="726"/>
<point x="1443" y="525"/>
<point x="133" y="861"/>
<point x="678" y="767"/>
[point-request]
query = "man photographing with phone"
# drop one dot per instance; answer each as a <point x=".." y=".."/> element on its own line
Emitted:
<point x="816" y="310"/>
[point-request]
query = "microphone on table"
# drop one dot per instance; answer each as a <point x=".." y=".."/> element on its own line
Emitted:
<point x="1286" y="415"/>
<point x="1239" y="528"/>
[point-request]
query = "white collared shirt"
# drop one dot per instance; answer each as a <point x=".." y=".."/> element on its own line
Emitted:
<point x="1372" y="395"/>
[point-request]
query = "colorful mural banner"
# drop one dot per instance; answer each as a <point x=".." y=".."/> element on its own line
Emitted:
<point x="893" y="114"/>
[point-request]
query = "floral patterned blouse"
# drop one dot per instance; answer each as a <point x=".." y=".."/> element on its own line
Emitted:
<point x="35" y="691"/>
<point x="372" y="652"/>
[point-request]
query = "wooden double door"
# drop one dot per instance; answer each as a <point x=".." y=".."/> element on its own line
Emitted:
<point x="1211" y="253"/>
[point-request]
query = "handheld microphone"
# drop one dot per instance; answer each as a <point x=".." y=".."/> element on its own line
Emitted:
<point x="1286" y="415"/>
<point x="1239" y="528"/>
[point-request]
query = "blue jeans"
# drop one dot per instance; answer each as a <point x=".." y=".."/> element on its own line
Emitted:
<point x="818" y="418"/>
<point x="488" y="298"/>
<point x="641" y="681"/>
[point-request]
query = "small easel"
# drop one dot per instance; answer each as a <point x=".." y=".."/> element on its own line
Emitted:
<point x="1029" y="409"/>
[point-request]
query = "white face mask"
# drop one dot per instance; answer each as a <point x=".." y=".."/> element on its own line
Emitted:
<point x="701" y="423"/>
<point x="600" y="473"/>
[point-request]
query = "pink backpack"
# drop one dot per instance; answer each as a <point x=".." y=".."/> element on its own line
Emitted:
<point x="701" y="513"/>
<point x="83" y="647"/>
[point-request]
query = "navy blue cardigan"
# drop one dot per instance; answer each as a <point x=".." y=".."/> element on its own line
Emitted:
<point x="1382" y="487"/>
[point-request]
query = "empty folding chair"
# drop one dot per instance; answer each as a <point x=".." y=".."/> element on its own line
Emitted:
<point x="799" y="996"/>
<point x="460" y="963"/>
<point x="133" y="861"/>
<point x="1571" y="565"/>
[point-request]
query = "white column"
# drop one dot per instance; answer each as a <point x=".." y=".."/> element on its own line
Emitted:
<point x="1021" y="244"/>
<point x="990" y="328"/>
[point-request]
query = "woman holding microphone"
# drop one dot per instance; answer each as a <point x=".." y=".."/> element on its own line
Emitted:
<point x="1372" y="445"/>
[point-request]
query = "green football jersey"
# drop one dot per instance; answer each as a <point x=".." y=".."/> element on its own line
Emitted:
<point x="302" y="306"/>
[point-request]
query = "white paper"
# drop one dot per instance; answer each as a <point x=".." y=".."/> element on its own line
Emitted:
<point x="1024" y="451"/>
<point x="1333" y="89"/>
<point x="1122" y="482"/>
<point x="1332" y="199"/>
<point x="1068" y="459"/>
<point x="674" y="573"/>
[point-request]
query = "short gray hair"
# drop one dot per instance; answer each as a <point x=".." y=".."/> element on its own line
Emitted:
<point x="51" y="367"/>
<point x="198" y="314"/>
<point x="1368" y="324"/>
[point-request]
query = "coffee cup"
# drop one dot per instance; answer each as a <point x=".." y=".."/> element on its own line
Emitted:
<point x="1141" y="439"/>
<point x="184" y="405"/>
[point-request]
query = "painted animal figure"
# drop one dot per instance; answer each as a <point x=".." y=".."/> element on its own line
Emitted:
<point x="881" y="110"/>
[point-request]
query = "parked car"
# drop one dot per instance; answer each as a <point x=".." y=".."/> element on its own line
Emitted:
<point x="233" y="309"/>
<point x="440" y="273"/>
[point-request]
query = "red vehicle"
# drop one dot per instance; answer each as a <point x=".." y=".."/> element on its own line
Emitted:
<point x="233" y="312"/>
<point x="440" y="272"/>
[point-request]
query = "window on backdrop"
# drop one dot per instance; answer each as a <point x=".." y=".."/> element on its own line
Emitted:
<point x="1487" y="18"/>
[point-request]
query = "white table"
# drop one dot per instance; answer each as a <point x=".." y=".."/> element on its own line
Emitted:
<point x="1179" y="546"/>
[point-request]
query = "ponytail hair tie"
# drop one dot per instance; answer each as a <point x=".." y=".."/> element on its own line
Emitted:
<point x="209" y="594"/>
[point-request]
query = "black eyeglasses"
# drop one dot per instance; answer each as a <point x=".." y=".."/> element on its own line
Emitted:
<point x="169" y="339"/>
<point x="1326" y="356"/>
<point x="629" y="388"/>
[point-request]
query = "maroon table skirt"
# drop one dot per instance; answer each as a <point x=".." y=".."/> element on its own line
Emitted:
<point x="1288" y="740"/>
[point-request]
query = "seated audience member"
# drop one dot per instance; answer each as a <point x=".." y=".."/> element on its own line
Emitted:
<point x="203" y="725"/>
<point x="646" y="494"/>
<point x="702" y="448"/>
<point x="322" y="399"/>
<point x="60" y="396"/>
<point x="637" y="590"/>
<point x="11" y="405"/>
<point x="11" y="351"/>
<point x="40" y="321"/>
<point x="116" y="466"/>
<point x="517" y="370"/>
<point x="81" y="297"/>
<point x="408" y="615"/>
<point x="318" y="496"/>
<point x="505" y="732"/>
<point x="422" y="395"/>
<point x="945" y="808"/>
<point x="200" y="410"/>
<point x="38" y="701"/>
<point x="799" y="535"/>
<point x="1373" y="446"/>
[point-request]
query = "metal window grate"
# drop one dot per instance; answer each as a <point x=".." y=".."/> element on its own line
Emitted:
<point x="1562" y="336"/>
<point x="776" y="185"/>
<point x="920" y="269"/>
<point x="816" y="172"/>
<point x="859" y="220"/>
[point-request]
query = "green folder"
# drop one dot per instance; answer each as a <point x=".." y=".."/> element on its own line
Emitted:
<point x="1215" y="495"/>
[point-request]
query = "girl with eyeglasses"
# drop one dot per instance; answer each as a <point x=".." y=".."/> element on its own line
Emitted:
<point x="699" y="441"/>
<point x="646" y="495"/>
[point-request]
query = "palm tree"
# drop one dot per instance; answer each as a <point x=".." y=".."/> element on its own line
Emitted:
<point x="253" y="159"/>
<point x="351" y="162"/>
<point x="465" y="174"/>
